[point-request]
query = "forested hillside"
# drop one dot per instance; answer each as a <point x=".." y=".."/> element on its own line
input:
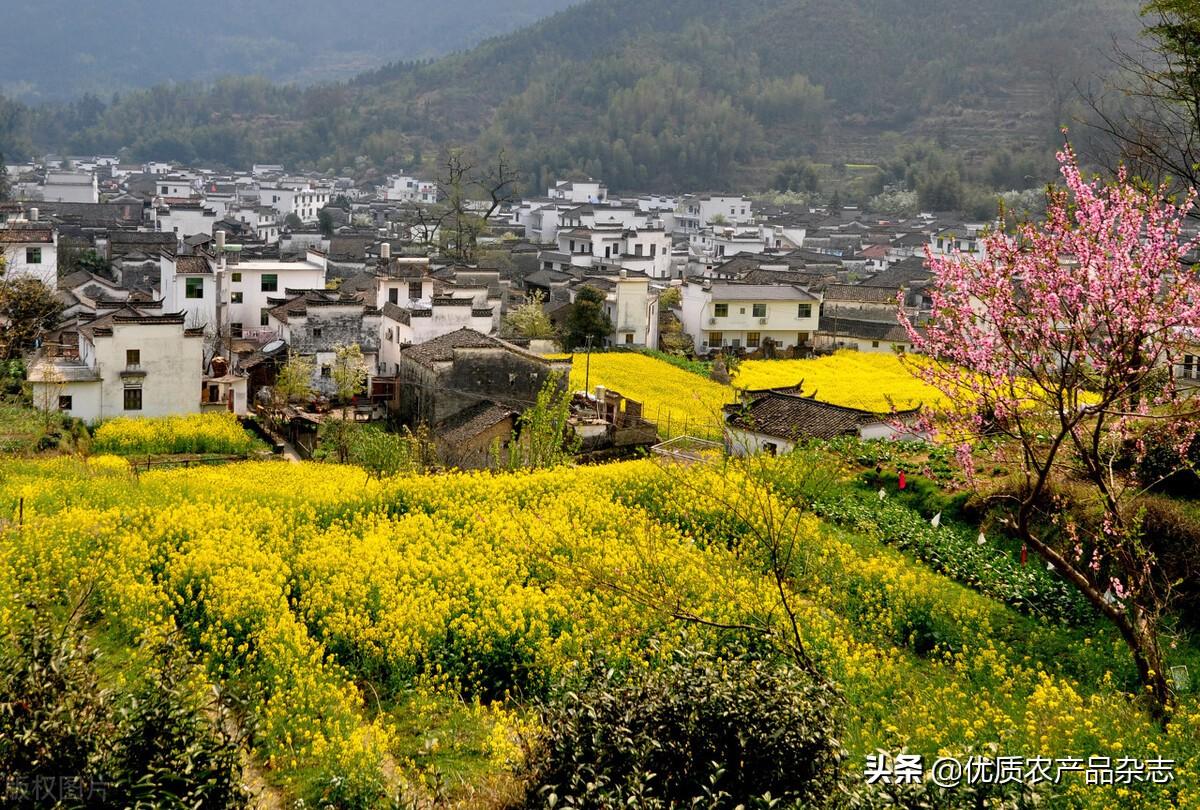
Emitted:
<point x="102" y="48"/>
<point x="674" y="94"/>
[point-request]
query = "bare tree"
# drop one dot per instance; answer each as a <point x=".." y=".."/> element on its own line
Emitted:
<point x="1148" y="116"/>
<point x="469" y="196"/>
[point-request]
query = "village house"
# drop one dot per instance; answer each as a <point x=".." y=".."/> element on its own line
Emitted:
<point x="775" y="421"/>
<point x="30" y="250"/>
<point x="70" y="187"/>
<point x="405" y="189"/>
<point x="694" y="212"/>
<point x="129" y="361"/>
<point x="731" y="315"/>
<point x="469" y="389"/>
<point x="314" y="323"/>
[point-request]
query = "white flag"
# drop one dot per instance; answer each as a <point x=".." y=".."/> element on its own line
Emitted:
<point x="937" y="520"/>
<point x="982" y="540"/>
<point x="882" y="494"/>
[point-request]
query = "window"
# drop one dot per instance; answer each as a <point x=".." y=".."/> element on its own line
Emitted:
<point x="264" y="319"/>
<point x="804" y="311"/>
<point x="721" y="310"/>
<point x="133" y="358"/>
<point x="753" y="339"/>
<point x="637" y="249"/>
<point x="770" y="448"/>
<point x="874" y="344"/>
<point x="270" y="282"/>
<point x="235" y="298"/>
<point x="164" y="190"/>
<point x="715" y="338"/>
<point x="394" y="295"/>
<point x="33" y="255"/>
<point x="629" y="337"/>
<point x="326" y="371"/>
<point x="653" y="251"/>
<point x="316" y="333"/>
<point x="64" y="403"/>
<point x="133" y="399"/>
<point x="760" y="310"/>
<point x="414" y="290"/>
<point x="193" y="288"/>
<point x="236" y="277"/>
<point x="235" y="330"/>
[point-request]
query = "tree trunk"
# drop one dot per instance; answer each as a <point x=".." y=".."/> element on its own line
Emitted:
<point x="1137" y="629"/>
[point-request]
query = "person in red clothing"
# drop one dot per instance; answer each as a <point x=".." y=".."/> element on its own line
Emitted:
<point x="903" y="480"/>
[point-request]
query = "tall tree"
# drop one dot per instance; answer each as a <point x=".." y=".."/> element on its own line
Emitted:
<point x="1149" y="119"/>
<point x="1057" y="342"/>
<point x="587" y="318"/>
<point x="5" y="182"/>
<point x="469" y="196"/>
<point x="28" y="309"/>
<point x="529" y="320"/>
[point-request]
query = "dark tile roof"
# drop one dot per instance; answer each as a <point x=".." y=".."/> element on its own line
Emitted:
<point x="22" y="233"/>
<point x="789" y="416"/>
<point x="441" y="349"/>
<point x="467" y="424"/>
<point x="192" y="265"/>
<point x="860" y="294"/>
<point x="397" y="313"/>
<point x="864" y="330"/>
<point x="900" y="275"/>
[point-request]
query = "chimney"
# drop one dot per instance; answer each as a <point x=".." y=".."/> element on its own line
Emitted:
<point x="220" y="237"/>
<point x="33" y="215"/>
<point x="385" y="251"/>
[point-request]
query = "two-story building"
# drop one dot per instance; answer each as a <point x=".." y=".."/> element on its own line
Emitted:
<point x="730" y="315"/>
<point x="30" y="250"/>
<point x="129" y="361"/>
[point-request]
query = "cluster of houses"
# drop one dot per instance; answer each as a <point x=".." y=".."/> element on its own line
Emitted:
<point x="202" y="283"/>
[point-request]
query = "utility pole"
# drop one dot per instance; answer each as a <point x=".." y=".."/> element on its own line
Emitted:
<point x="587" y="370"/>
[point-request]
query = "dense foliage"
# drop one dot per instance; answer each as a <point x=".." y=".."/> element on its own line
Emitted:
<point x="679" y="95"/>
<point x="692" y="730"/>
<point x="69" y="739"/>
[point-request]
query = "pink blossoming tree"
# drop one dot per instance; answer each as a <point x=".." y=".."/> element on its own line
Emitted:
<point x="1056" y="344"/>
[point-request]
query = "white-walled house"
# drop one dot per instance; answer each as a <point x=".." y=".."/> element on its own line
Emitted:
<point x="644" y="250"/>
<point x="185" y="218"/>
<point x="403" y="188"/>
<point x="79" y="187"/>
<point x="579" y="191"/>
<point x="249" y="286"/>
<point x="175" y="187"/>
<point x="30" y="249"/>
<point x="188" y="284"/>
<point x="736" y="316"/>
<point x="131" y="361"/>
<point x="775" y="421"/>
<point x="630" y="304"/>
<point x="695" y="212"/>
<point x="408" y="325"/>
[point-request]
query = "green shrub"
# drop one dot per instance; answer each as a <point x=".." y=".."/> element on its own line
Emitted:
<point x="696" y="730"/>
<point x="158" y="742"/>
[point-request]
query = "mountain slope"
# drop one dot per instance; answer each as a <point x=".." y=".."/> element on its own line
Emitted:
<point x="674" y="94"/>
<point x="100" y="48"/>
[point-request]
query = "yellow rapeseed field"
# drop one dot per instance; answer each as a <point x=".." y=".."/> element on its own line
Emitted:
<point x="870" y="381"/>
<point x="350" y="609"/>
<point x="679" y="401"/>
